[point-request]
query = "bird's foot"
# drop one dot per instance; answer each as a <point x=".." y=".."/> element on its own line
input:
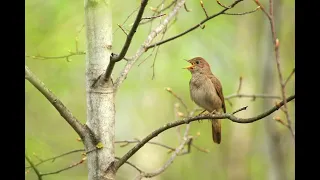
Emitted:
<point x="214" y="112"/>
<point x="199" y="115"/>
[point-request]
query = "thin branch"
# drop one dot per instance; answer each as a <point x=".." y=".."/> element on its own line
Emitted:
<point x="279" y="120"/>
<point x="191" y="119"/>
<point x="115" y="58"/>
<point x="185" y="7"/>
<point x="34" y="154"/>
<point x="187" y="140"/>
<point x="176" y="96"/>
<point x="61" y="108"/>
<point x="158" y="12"/>
<point x="126" y="142"/>
<point x="230" y="103"/>
<point x="59" y="156"/>
<point x="201" y="149"/>
<point x="204" y="9"/>
<point x="67" y="56"/>
<point x="222" y="5"/>
<point x="177" y="116"/>
<point x="153" y="17"/>
<point x="124" y="31"/>
<point x="243" y="13"/>
<point x="64" y="169"/>
<point x="240" y="85"/>
<point x="263" y="9"/>
<point x="132" y="165"/>
<point x="127" y="18"/>
<point x="253" y="96"/>
<point x="291" y="74"/>
<point x="178" y="151"/>
<point x="276" y="44"/>
<point x="149" y="39"/>
<point x="192" y="28"/>
<point x="241" y="109"/>
<point x="155" y="56"/>
<point x="145" y="59"/>
<point x="33" y="167"/>
<point x="170" y="161"/>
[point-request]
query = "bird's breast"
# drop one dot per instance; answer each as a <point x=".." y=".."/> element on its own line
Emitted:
<point x="204" y="94"/>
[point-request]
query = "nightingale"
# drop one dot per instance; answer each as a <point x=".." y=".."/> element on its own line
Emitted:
<point x="206" y="92"/>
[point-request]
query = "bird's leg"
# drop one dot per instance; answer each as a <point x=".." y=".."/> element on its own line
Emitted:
<point x="200" y="114"/>
<point x="213" y="112"/>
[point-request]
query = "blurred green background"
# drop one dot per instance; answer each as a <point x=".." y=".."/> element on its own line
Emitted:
<point x="234" y="46"/>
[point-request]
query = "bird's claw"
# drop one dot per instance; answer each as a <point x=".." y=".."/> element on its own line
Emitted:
<point x="213" y="112"/>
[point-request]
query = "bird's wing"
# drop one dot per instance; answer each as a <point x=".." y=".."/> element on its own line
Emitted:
<point x="218" y="87"/>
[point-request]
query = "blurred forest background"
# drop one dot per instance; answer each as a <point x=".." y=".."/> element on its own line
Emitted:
<point x="234" y="46"/>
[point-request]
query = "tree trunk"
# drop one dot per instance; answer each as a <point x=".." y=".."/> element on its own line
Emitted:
<point x="100" y="100"/>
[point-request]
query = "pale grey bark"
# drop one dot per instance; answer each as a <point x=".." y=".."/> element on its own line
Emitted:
<point x="100" y="100"/>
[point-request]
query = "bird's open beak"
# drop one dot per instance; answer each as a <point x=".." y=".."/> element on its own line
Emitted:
<point x="188" y="67"/>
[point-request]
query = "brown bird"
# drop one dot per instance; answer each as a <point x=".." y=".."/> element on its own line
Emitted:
<point x="206" y="92"/>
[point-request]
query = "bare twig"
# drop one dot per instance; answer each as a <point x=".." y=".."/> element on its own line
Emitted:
<point x="276" y="44"/>
<point x="222" y="5"/>
<point x="127" y="19"/>
<point x="176" y="108"/>
<point x="149" y="39"/>
<point x="201" y="149"/>
<point x="33" y="167"/>
<point x="158" y="12"/>
<point x="56" y="157"/>
<point x="126" y="142"/>
<point x="230" y="103"/>
<point x="241" y="109"/>
<point x="263" y="10"/>
<point x="115" y="58"/>
<point x="185" y="7"/>
<point x="155" y="56"/>
<point x="153" y="17"/>
<point x="132" y="165"/>
<point x="279" y="120"/>
<point x="177" y="116"/>
<point x="67" y="56"/>
<point x="170" y="161"/>
<point x="243" y="13"/>
<point x="204" y="9"/>
<point x="191" y="119"/>
<point x="64" y="169"/>
<point x="61" y="108"/>
<point x="176" y="96"/>
<point x="254" y="96"/>
<point x="192" y="28"/>
<point x="35" y="155"/>
<point x="186" y="140"/>
<point x="240" y="85"/>
<point x="145" y="59"/>
<point x="124" y="31"/>
<point x="291" y="74"/>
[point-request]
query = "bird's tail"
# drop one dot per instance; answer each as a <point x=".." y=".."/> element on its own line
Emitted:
<point x="216" y="130"/>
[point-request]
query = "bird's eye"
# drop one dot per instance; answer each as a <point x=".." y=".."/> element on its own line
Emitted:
<point x="197" y="62"/>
